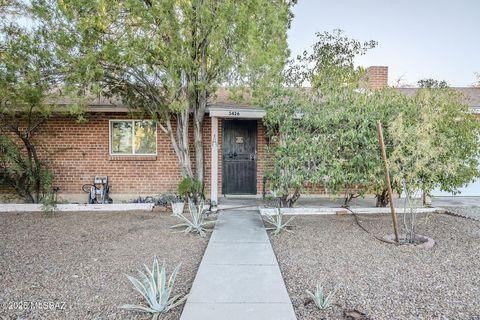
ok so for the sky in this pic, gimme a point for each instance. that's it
(419, 39)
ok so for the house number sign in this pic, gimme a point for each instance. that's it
(233, 113)
(239, 140)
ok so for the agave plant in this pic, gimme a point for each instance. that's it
(153, 286)
(198, 223)
(321, 301)
(277, 223)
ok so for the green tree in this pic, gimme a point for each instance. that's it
(166, 58)
(323, 134)
(31, 84)
(355, 166)
(27, 83)
(432, 83)
(326, 134)
(291, 150)
(435, 144)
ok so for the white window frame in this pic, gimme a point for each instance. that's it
(133, 138)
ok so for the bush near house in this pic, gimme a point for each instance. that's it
(190, 188)
(26, 86)
(24, 172)
(326, 135)
(435, 145)
(321, 135)
(31, 75)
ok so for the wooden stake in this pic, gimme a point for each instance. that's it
(387, 178)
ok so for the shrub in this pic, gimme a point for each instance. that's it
(163, 199)
(24, 172)
(29, 82)
(190, 188)
(49, 198)
(153, 286)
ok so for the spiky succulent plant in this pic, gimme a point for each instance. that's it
(276, 220)
(198, 222)
(156, 290)
(321, 300)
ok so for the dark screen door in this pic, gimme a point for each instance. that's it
(239, 164)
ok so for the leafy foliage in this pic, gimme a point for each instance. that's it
(31, 74)
(290, 148)
(278, 223)
(156, 290)
(435, 144)
(30, 178)
(26, 83)
(326, 135)
(190, 188)
(321, 300)
(352, 162)
(163, 199)
(330, 63)
(198, 223)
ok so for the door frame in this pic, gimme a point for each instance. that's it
(223, 177)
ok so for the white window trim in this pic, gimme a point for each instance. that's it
(133, 137)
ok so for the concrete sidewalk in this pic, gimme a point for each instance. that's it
(239, 277)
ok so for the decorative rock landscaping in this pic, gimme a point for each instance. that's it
(78, 262)
(381, 280)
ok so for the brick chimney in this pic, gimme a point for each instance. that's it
(377, 77)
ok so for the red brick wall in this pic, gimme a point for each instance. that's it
(78, 151)
(377, 77)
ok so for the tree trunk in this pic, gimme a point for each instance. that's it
(426, 199)
(30, 184)
(199, 116)
(32, 196)
(180, 143)
(382, 199)
(289, 200)
(36, 169)
(348, 198)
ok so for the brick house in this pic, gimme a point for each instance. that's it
(138, 157)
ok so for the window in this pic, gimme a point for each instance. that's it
(133, 137)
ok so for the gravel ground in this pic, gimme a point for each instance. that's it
(378, 279)
(471, 212)
(79, 260)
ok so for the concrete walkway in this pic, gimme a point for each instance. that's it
(239, 277)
